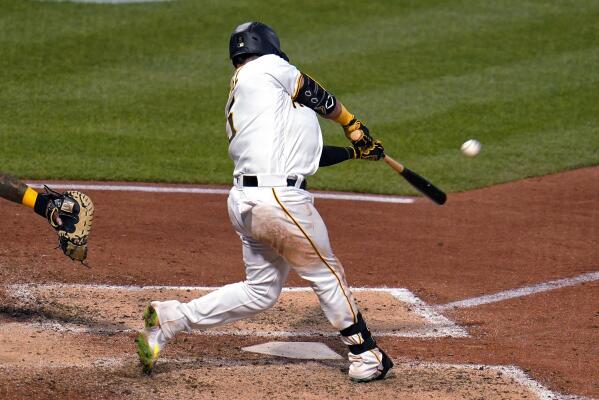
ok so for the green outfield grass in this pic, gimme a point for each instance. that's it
(136, 92)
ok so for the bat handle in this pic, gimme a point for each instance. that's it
(394, 164)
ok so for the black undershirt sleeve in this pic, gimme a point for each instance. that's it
(332, 155)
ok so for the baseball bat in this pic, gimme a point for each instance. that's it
(420, 183)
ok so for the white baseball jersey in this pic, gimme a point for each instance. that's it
(269, 133)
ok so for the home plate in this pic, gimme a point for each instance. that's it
(303, 350)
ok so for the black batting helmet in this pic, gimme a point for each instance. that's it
(254, 38)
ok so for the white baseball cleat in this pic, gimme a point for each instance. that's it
(369, 366)
(150, 340)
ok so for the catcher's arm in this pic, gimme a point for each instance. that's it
(70, 213)
(14, 190)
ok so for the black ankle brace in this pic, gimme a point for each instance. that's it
(359, 327)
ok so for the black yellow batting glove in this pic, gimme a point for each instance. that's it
(373, 153)
(358, 134)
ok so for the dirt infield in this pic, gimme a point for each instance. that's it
(78, 342)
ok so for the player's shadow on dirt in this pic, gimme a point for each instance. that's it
(61, 314)
(311, 318)
(167, 365)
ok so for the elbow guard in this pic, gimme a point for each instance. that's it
(314, 96)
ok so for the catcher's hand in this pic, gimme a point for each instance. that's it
(71, 214)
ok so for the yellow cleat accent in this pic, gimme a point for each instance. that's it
(147, 354)
(150, 317)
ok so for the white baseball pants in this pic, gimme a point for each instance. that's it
(279, 229)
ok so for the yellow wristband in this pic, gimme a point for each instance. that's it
(344, 117)
(29, 198)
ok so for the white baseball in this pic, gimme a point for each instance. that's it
(471, 148)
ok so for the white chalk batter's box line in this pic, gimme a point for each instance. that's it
(514, 373)
(519, 292)
(206, 190)
(437, 324)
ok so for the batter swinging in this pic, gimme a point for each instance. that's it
(275, 143)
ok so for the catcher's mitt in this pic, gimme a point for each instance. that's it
(71, 214)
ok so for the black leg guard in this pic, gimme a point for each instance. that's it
(387, 365)
(364, 340)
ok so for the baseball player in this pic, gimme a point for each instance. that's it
(69, 213)
(275, 143)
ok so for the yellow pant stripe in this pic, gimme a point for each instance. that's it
(29, 198)
(317, 252)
